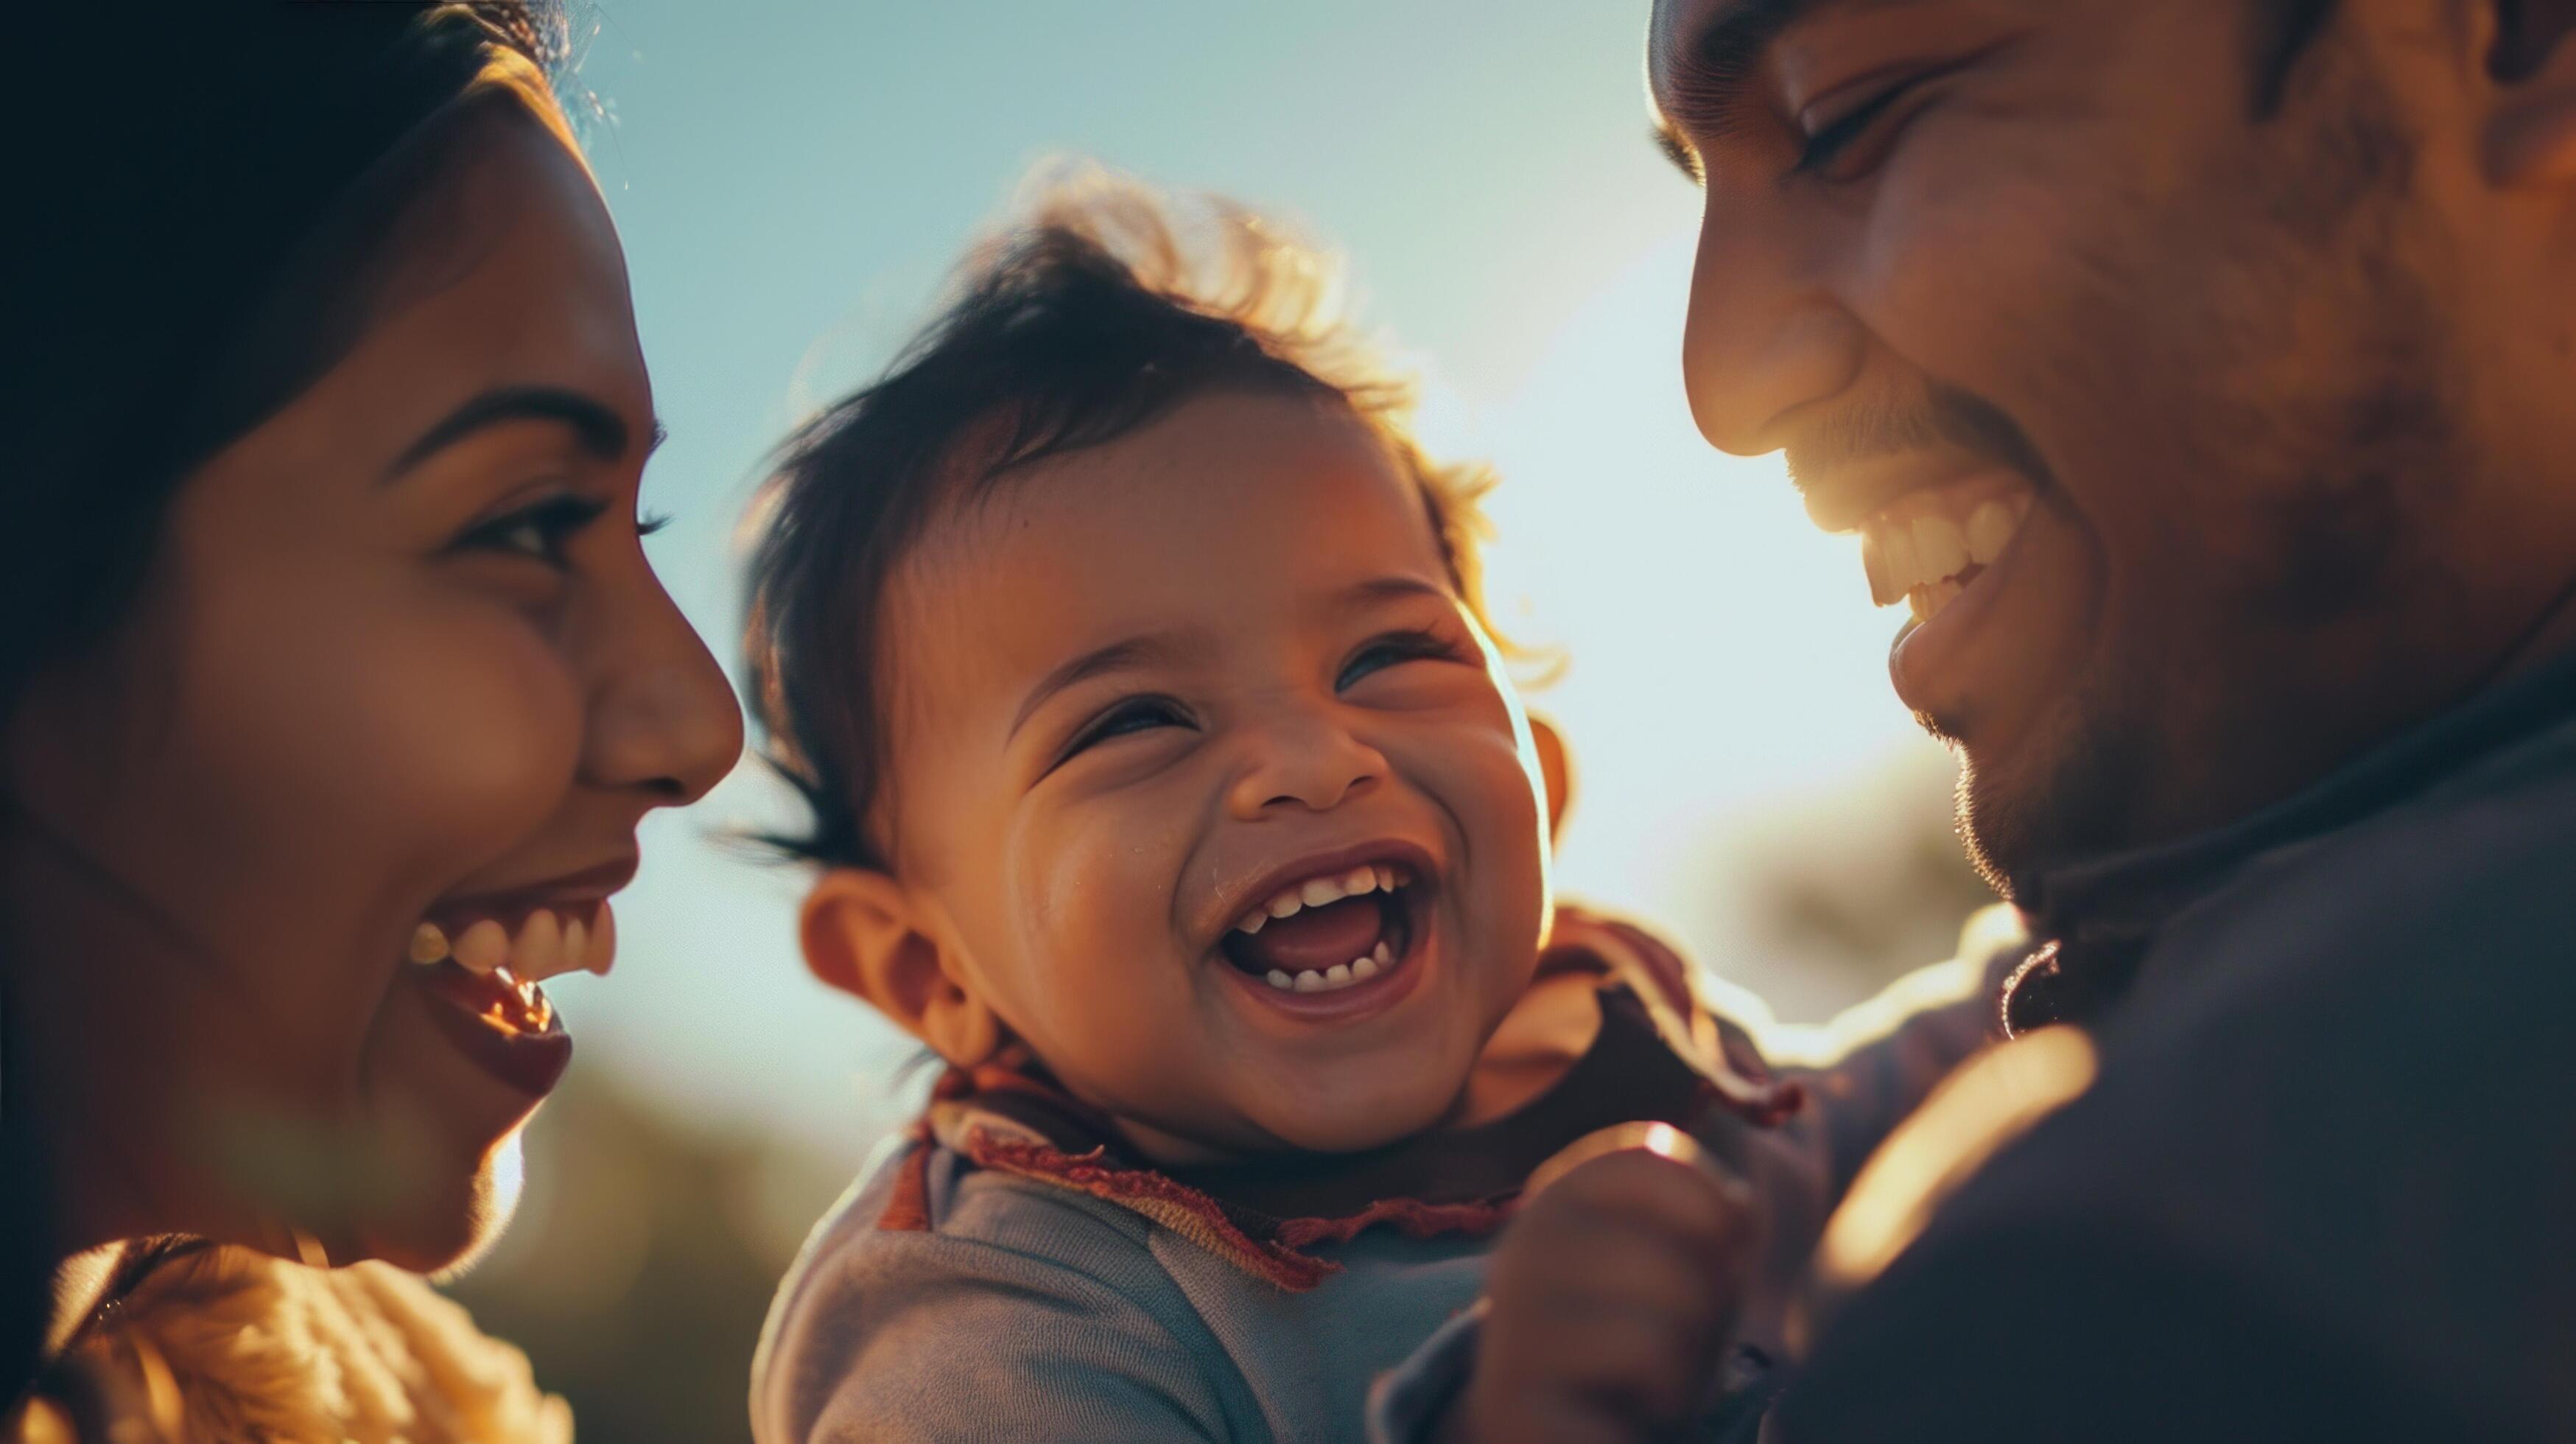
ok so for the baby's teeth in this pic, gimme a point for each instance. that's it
(1338, 975)
(1363, 969)
(1386, 879)
(484, 947)
(1310, 982)
(1320, 891)
(1384, 955)
(537, 954)
(1279, 980)
(576, 954)
(428, 943)
(1943, 549)
(1990, 528)
(1287, 904)
(1253, 921)
(1361, 882)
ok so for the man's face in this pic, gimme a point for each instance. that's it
(2202, 442)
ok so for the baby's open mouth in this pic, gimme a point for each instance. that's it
(1327, 933)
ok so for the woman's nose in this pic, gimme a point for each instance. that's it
(1303, 762)
(663, 719)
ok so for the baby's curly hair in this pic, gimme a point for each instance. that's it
(1102, 306)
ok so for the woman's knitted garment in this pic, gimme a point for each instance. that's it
(230, 1346)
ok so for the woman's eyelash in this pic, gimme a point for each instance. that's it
(539, 530)
(1822, 147)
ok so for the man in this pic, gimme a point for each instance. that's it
(2203, 375)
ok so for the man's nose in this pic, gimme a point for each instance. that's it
(1765, 336)
(1302, 760)
(663, 720)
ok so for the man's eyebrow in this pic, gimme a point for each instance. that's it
(1118, 656)
(595, 424)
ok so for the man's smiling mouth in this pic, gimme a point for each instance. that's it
(1928, 547)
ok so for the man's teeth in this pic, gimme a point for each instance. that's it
(1317, 892)
(1339, 975)
(1920, 558)
(546, 945)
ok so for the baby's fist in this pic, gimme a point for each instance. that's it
(1608, 1304)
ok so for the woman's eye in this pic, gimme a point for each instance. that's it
(1390, 650)
(1833, 141)
(1143, 714)
(539, 531)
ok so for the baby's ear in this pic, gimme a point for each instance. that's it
(1556, 766)
(863, 933)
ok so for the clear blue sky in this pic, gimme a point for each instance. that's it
(793, 177)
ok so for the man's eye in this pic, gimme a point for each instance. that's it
(1834, 140)
(1380, 653)
(538, 531)
(1141, 714)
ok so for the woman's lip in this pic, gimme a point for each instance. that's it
(530, 1062)
(573, 894)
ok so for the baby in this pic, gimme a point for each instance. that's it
(1168, 783)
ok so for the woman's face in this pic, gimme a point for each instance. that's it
(400, 659)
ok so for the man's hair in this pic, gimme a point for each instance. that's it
(1102, 308)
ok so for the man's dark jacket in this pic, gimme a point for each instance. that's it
(2324, 1184)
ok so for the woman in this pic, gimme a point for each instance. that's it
(335, 685)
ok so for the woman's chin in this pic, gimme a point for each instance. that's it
(446, 1226)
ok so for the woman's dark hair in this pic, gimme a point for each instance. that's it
(203, 197)
(1100, 310)
(205, 191)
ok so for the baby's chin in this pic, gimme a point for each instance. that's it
(1357, 1125)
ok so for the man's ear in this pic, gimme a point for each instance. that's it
(2531, 138)
(863, 934)
(1556, 767)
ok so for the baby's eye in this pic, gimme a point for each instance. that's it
(1392, 649)
(538, 531)
(1136, 714)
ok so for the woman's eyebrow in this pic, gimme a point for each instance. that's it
(595, 424)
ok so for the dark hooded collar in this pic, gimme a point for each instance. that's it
(2100, 916)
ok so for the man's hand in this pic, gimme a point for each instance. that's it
(1609, 1302)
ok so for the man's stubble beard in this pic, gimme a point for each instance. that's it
(2344, 442)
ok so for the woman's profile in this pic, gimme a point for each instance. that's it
(335, 685)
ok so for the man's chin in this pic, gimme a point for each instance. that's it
(2063, 797)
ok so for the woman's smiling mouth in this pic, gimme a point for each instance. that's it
(482, 958)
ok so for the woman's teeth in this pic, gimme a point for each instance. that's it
(546, 945)
(1923, 557)
(1339, 975)
(1318, 892)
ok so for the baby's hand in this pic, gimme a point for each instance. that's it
(1609, 1303)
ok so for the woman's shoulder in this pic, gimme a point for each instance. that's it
(226, 1344)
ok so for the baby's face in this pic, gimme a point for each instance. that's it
(1214, 674)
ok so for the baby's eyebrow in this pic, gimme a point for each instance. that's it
(1389, 589)
(1118, 656)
